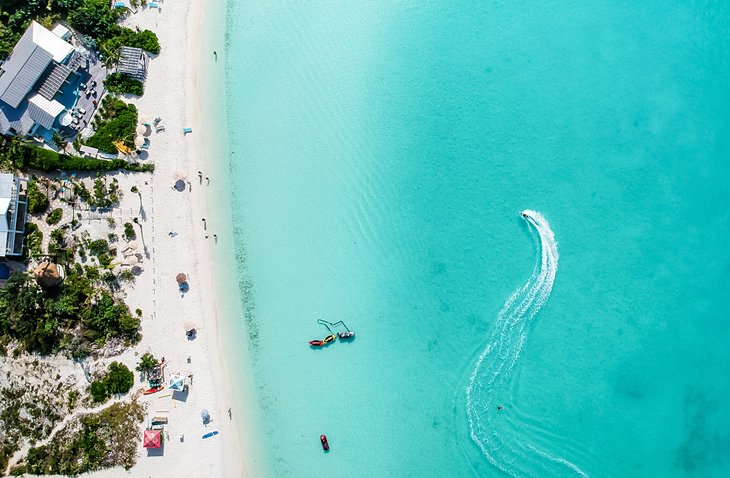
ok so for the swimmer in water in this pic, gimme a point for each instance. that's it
(523, 214)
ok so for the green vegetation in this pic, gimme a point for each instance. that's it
(23, 156)
(129, 233)
(118, 379)
(116, 121)
(75, 317)
(33, 238)
(144, 39)
(119, 83)
(146, 364)
(55, 216)
(37, 201)
(100, 440)
(28, 411)
(105, 196)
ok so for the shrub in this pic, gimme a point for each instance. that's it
(119, 83)
(99, 392)
(98, 247)
(129, 233)
(119, 379)
(55, 216)
(37, 201)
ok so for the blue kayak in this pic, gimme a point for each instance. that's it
(211, 434)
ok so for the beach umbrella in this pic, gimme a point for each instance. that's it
(189, 325)
(141, 129)
(138, 142)
(144, 120)
(66, 119)
(205, 415)
(181, 277)
(178, 176)
(132, 260)
(180, 185)
(151, 439)
(133, 245)
(47, 275)
(177, 382)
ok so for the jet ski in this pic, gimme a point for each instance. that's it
(325, 444)
(346, 335)
(316, 343)
(329, 338)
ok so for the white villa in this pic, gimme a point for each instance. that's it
(30, 78)
(14, 210)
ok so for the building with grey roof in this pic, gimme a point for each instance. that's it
(13, 214)
(31, 76)
(132, 62)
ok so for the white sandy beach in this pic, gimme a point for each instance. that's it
(172, 94)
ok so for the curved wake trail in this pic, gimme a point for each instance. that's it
(494, 365)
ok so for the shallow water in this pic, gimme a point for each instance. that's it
(380, 154)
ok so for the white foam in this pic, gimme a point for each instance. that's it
(503, 349)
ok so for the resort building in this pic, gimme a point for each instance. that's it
(14, 209)
(132, 62)
(32, 77)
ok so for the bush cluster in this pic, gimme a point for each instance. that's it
(119, 83)
(24, 156)
(37, 201)
(118, 379)
(74, 317)
(55, 216)
(117, 121)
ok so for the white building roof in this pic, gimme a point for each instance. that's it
(29, 59)
(44, 112)
(61, 31)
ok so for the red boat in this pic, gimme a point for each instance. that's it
(316, 343)
(325, 444)
(153, 390)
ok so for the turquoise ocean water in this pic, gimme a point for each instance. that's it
(379, 155)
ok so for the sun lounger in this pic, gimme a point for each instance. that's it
(153, 5)
(159, 128)
(187, 130)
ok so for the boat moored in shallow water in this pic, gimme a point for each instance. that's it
(329, 338)
(346, 335)
(325, 443)
(316, 343)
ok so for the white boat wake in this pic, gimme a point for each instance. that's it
(494, 365)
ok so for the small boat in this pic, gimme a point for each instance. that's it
(329, 338)
(152, 390)
(325, 444)
(346, 335)
(210, 434)
(316, 343)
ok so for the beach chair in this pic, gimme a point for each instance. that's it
(187, 130)
(159, 128)
(153, 5)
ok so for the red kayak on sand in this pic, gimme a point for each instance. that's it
(316, 343)
(325, 444)
(153, 390)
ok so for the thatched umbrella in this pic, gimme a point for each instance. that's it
(138, 142)
(181, 277)
(141, 129)
(132, 260)
(178, 176)
(189, 325)
(47, 275)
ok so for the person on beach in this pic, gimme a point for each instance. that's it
(205, 224)
(200, 177)
(207, 180)
(215, 237)
(215, 55)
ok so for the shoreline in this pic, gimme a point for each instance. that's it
(174, 92)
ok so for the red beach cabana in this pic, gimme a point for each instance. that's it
(151, 439)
